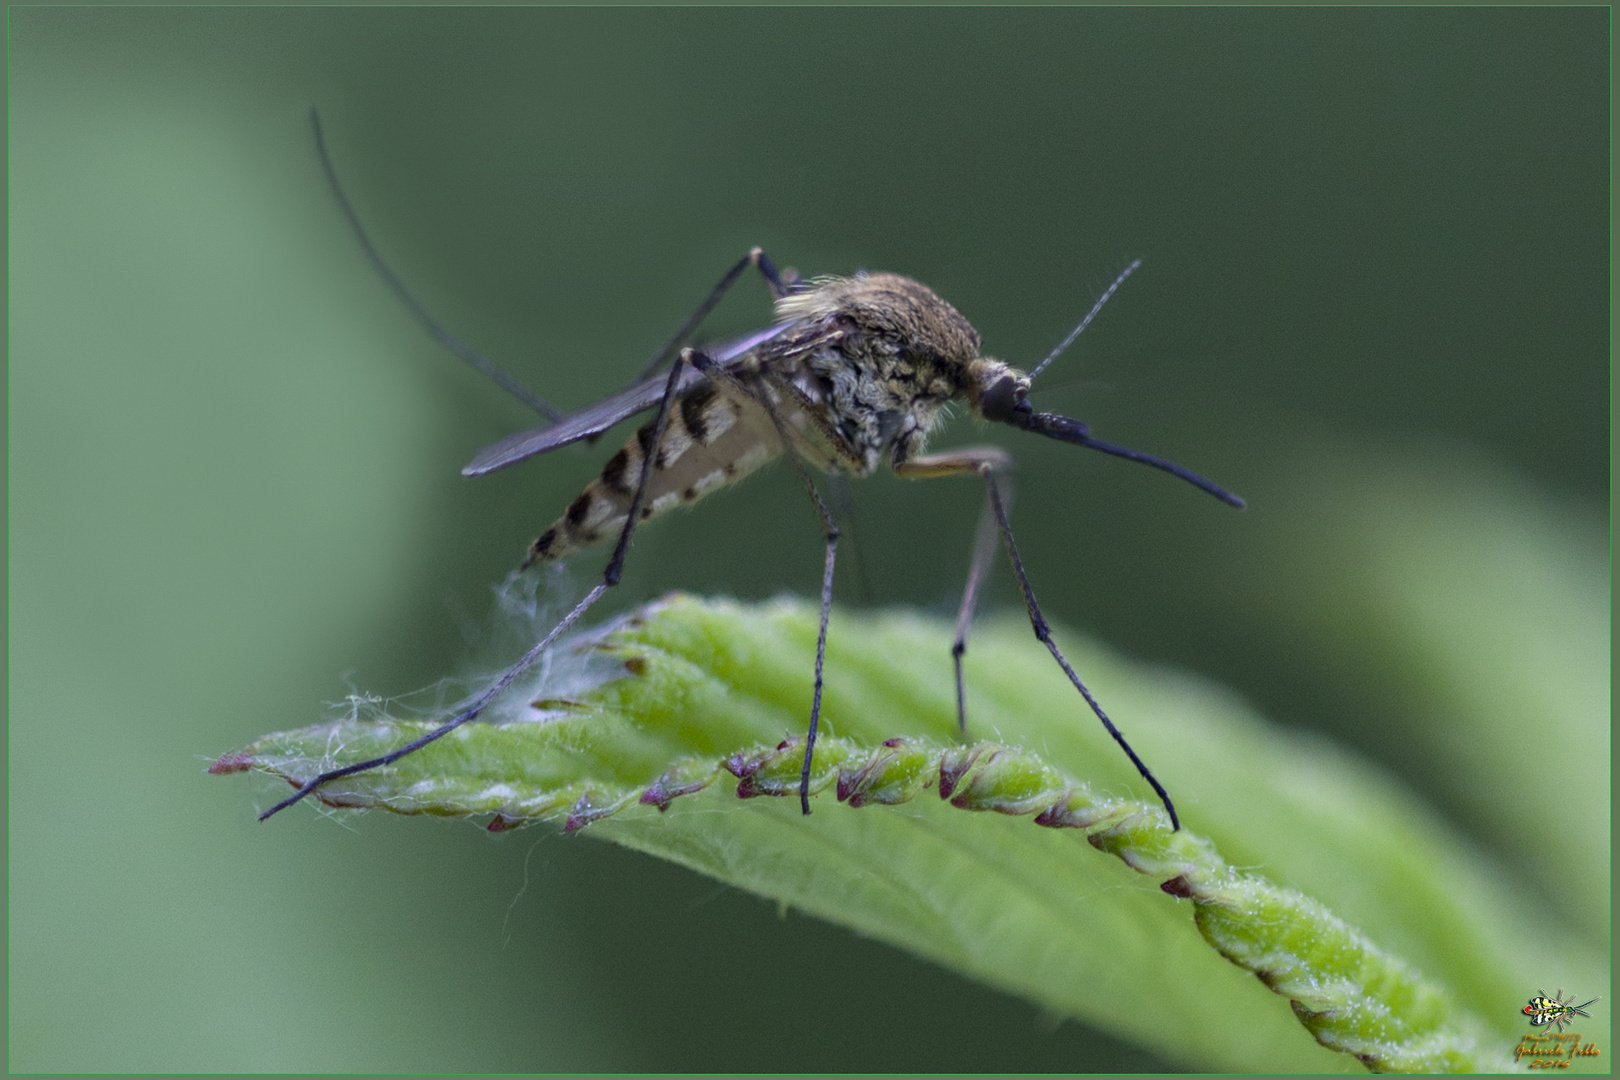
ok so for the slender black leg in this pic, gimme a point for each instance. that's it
(841, 499)
(610, 577)
(821, 653)
(756, 258)
(830, 529)
(965, 462)
(471, 355)
(1044, 633)
(984, 549)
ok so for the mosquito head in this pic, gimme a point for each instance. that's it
(996, 390)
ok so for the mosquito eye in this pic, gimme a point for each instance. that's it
(997, 402)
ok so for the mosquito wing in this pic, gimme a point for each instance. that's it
(604, 414)
(571, 429)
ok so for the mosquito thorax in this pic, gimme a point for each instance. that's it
(890, 309)
(880, 355)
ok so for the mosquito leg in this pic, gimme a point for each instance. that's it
(966, 462)
(610, 577)
(841, 498)
(987, 463)
(984, 549)
(756, 258)
(821, 650)
(780, 284)
(758, 390)
(793, 281)
(1044, 633)
(443, 336)
(469, 713)
(830, 529)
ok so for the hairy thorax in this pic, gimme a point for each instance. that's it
(880, 355)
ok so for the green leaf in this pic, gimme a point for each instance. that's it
(1469, 612)
(706, 701)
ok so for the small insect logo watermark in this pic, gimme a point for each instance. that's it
(1554, 1010)
(1554, 1050)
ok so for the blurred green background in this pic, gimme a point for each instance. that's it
(1374, 300)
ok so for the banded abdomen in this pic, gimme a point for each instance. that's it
(709, 441)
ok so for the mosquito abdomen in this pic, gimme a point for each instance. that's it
(709, 441)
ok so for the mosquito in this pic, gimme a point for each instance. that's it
(853, 375)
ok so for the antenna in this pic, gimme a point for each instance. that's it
(1101, 300)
